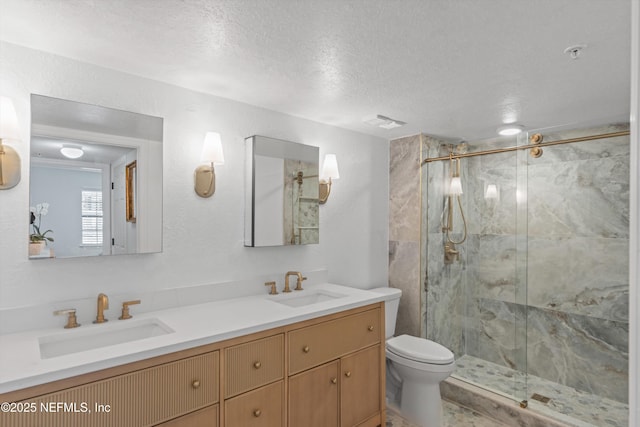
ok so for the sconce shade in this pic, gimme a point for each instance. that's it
(329, 172)
(491, 192)
(212, 149)
(9, 158)
(456, 186)
(330, 167)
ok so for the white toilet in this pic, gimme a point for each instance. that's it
(419, 365)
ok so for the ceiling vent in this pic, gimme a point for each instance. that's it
(383, 122)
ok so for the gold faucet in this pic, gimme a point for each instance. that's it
(298, 282)
(125, 309)
(450, 253)
(103, 304)
(72, 320)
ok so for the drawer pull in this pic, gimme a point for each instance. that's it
(306, 349)
(334, 381)
(370, 328)
(347, 374)
(257, 365)
(195, 384)
(257, 413)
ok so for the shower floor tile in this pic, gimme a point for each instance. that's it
(566, 404)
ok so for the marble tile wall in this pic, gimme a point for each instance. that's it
(301, 211)
(542, 283)
(404, 231)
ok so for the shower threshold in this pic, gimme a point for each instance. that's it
(566, 404)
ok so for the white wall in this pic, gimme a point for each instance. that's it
(269, 201)
(62, 188)
(203, 238)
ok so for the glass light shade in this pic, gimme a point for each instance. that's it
(491, 192)
(8, 120)
(212, 149)
(510, 130)
(456, 186)
(330, 167)
(71, 152)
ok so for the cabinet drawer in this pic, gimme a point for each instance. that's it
(259, 408)
(207, 417)
(254, 364)
(141, 398)
(317, 344)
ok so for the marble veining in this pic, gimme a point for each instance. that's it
(405, 203)
(541, 286)
(453, 415)
(567, 404)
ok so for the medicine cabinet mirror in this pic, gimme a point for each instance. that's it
(95, 180)
(281, 205)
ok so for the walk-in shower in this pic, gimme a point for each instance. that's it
(525, 267)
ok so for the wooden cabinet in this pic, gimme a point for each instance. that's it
(342, 393)
(144, 397)
(360, 387)
(323, 372)
(249, 366)
(347, 391)
(263, 407)
(253, 364)
(207, 417)
(313, 397)
(316, 344)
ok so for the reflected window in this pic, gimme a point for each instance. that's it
(92, 215)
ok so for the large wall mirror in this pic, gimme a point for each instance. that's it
(95, 180)
(281, 206)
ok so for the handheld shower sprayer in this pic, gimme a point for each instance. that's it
(451, 254)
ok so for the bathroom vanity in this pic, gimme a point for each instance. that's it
(315, 359)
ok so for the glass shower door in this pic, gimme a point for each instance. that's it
(476, 300)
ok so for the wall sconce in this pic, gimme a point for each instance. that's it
(329, 172)
(205, 175)
(491, 192)
(9, 158)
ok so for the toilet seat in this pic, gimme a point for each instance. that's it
(420, 350)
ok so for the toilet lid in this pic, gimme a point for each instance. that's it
(420, 350)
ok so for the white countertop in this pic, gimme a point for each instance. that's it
(21, 364)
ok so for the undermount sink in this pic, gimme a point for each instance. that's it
(306, 298)
(104, 335)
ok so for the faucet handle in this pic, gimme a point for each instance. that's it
(72, 321)
(299, 283)
(273, 290)
(125, 309)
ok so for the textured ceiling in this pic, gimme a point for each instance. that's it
(456, 68)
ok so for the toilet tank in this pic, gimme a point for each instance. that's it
(391, 303)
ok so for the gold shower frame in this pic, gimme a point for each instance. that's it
(534, 146)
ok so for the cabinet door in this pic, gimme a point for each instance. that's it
(360, 386)
(207, 417)
(262, 407)
(313, 397)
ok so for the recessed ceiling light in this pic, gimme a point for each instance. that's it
(383, 122)
(71, 151)
(510, 130)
